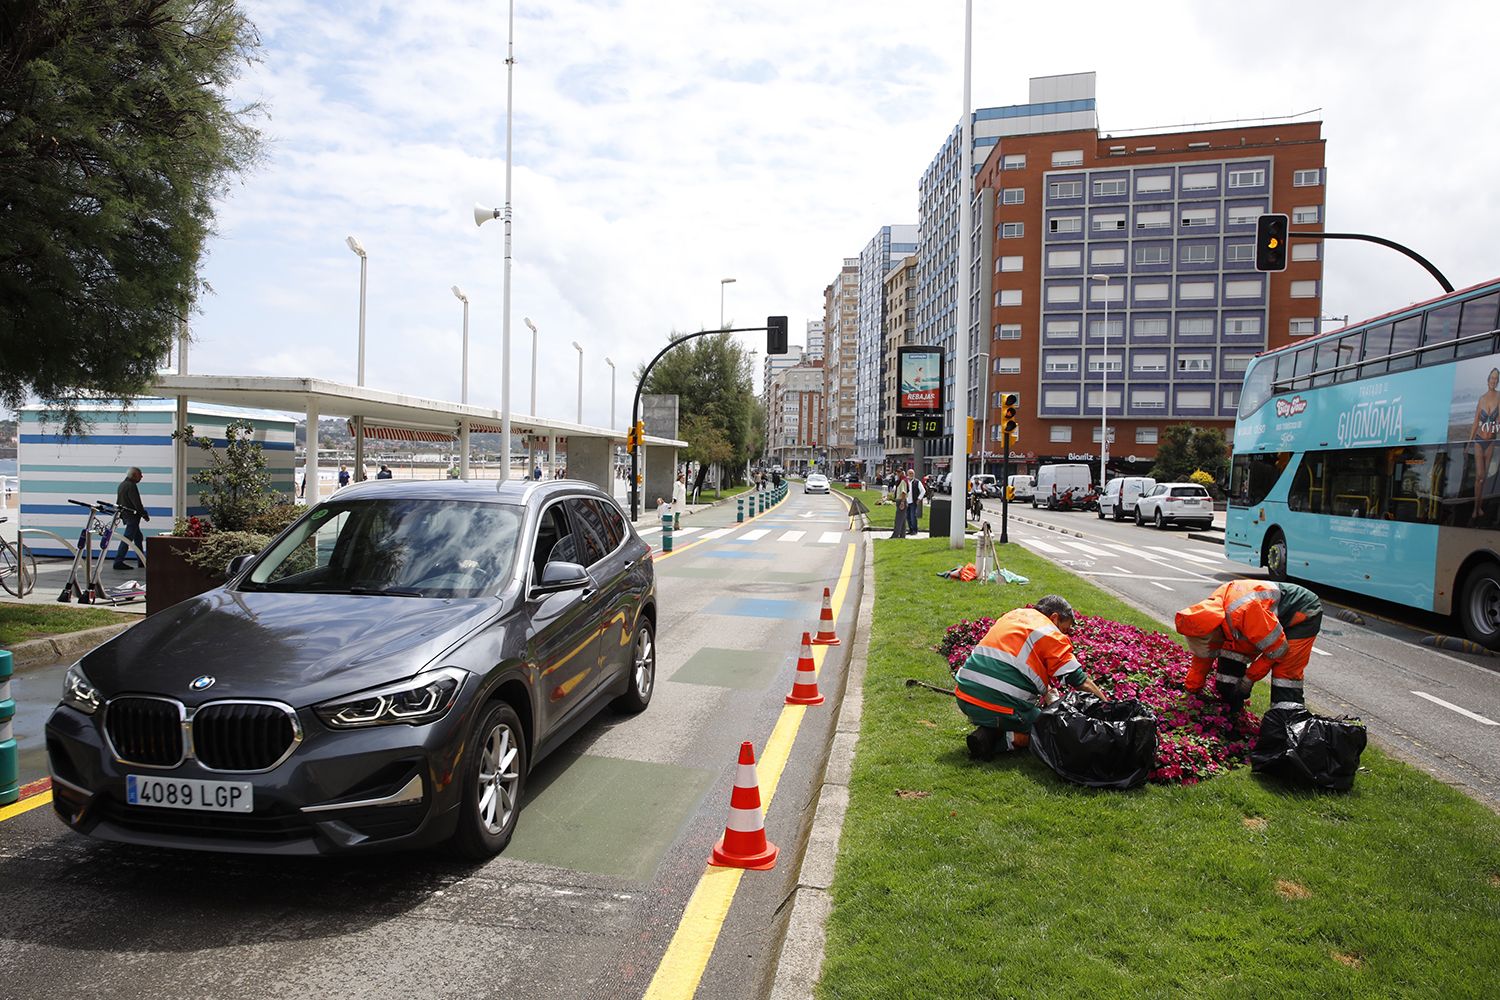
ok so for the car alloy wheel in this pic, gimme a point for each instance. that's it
(642, 671)
(494, 780)
(499, 778)
(1161, 522)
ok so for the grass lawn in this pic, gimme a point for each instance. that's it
(959, 879)
(883, 517)
(19, 622)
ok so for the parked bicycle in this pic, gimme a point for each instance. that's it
(17, 567)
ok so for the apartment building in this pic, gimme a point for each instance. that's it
(774, 364)
(1122, 276)
(841, 362)
(887, 248)
(899, 322)
(796, 415)
(814, 340)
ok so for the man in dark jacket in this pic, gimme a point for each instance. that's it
(132, 512)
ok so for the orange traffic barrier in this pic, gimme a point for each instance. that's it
(744, 843)
(805, 686)
(826, 635)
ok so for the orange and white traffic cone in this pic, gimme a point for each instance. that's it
(826, 635)
(744, 843)
(805, 686)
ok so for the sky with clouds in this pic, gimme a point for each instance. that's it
(661, 145)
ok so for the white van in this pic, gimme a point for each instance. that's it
(1022, 487)
(1077, 477)
(982, 483)
(1120, 494)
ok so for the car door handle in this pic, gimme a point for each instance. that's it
(588, 594)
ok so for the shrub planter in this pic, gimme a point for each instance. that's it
(170, 578)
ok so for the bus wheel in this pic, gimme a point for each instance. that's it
(1479, 607)
(1276, 555)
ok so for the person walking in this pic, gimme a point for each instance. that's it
(343, 476)
(384, 473)
(902, 492)
(679, 492)
(917, 493)
(1024, 656)
(1246, 629)
(132, 513)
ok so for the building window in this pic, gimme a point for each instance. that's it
(1195, 326)
(1096, 397)
(1012, 230)
(1202, 254)
(1150, 326)
(1097, 330)
(1009, 297)
(1099, 431)
(1200, 217)
(1153, 184)
(1008, 331)
(1246, 288)
(1109, 222)
(1229, 399)
(1247, 178)
(1243, 215)
(1194, 399)
(1063, 398)
(1011, 263)
(1062, 363)
(1067, 158)
(1200, 182)
(1065, 189)
(1062, 294)
(1195, 291)
(1105, 363)
(1065, 258)
(1060, 433)
(1062, 329)
(1110, 186)
(1013, 161)
(1307, 178)
(1148, 362)
(1304, 250)
(1153, 220)
(1145, 435)
(1152, 292)
(1301, 327)
(1013, 196)
(1152, 255)
(1148, 399)
(1195, 363)
(1107, 291)
(1306, 213)
(1304, 289)
(1065, 224)
(1236, 363)
(1244, 253)
(1008, 366)
(1106, 255)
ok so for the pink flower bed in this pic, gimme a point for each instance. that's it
(1197, 737)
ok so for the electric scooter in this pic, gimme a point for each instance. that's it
(92, 590)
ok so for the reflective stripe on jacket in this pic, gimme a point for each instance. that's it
(1257, 617)
(1018, 658)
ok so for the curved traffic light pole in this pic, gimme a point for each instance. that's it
(1447, 285)
(635, 406)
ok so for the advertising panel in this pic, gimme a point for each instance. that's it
(920, 370)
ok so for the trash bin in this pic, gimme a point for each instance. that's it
(939, 512)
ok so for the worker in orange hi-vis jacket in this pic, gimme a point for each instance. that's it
(1246, 629)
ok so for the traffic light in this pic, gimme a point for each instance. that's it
(1009, 428)
(635, 436)
(1270, 242)
(775, 334)
(970, 437)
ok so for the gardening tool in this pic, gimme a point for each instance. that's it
(912, 682)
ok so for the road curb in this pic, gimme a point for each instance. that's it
(800, 962)
(1203, 536)
(68, 646)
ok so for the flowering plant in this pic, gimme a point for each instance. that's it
(192, 527)
(1197, 737)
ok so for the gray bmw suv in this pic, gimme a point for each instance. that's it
(383, 675)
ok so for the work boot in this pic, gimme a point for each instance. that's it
(982, 743)
(1020, 741)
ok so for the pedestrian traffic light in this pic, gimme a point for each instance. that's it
(969, 438)
(775, 334)
(1270, 242)
(1009, 428)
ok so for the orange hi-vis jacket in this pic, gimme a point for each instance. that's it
(1243, 620)
(1021, 656)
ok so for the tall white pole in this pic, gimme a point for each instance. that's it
(531, 440)
(611, 393)
(577, 347)
(961, 358)
(1104, 391)
(510, 65)
(359, 422)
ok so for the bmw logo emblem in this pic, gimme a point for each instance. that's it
(202, 683)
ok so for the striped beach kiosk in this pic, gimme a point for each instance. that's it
(54, 468)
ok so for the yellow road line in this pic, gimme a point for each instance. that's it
(25, 806)
(692, 944)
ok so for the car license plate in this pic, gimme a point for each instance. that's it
(189, 793)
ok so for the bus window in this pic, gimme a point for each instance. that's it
(1257, 386)
(1415, 478)
(1404, 338)
(1303, 368)
(1377, 346)
(1348, 358)
(1442, 330)
(1284, 362)
(1252, 476)
(1307, 493)
(1479, 317)
(1356, 483)
(1326, 359)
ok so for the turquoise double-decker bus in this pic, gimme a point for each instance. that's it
(1369, 459)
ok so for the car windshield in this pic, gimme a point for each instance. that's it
(397, 546)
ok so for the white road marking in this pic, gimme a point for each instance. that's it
(716, 533)
(1173, 553)
(754, 535)
(807, 513)
(1321, 652)
(791, 536)
(679, 532)
(1044, 547)
(1452, 707)
(830, 537)
(1087, 549)
(647, 531)
(1163, 586)
(1121, 569)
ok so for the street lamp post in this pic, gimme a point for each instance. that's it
(611, 420)
(722, 283)
(530, 441)
(359, 421)
(463, 389)
(984, 408)
(1104, 390)
(579, 348)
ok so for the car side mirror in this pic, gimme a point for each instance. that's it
(236, 564)
(563, 576)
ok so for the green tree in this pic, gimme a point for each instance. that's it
(116, 135)
(1185, 448)
(720, 415)
(235, 487)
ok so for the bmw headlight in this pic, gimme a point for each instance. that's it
(78, 692)
(415, 701)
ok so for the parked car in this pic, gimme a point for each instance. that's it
(1054, 480)
(1120, 494)
(384, 675)
(1023, 487)
(1175, 503)
(816, 483)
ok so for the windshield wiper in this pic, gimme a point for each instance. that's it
(386, 591)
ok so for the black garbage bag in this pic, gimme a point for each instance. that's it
(1308, 749)
(1099, 744)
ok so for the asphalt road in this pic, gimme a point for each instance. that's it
(614, 834)
(1438, 710)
